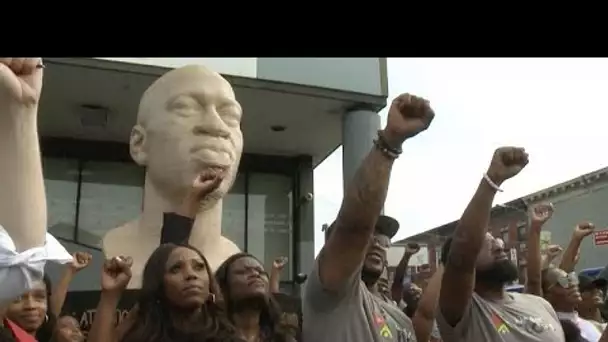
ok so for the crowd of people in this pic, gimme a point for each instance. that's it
(347, 296)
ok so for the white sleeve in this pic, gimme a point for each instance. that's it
(19, 271)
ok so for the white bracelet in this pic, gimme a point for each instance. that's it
(492, 184)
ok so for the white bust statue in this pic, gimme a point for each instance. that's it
(188, 121)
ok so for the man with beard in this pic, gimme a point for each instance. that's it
(473, 303)
(375, 264)
(337, 306)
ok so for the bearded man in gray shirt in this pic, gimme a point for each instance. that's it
(473, 302)
(337, 306)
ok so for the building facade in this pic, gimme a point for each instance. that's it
(580, 199)
(296, 112)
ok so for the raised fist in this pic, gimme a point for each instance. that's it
(541, 213)
(506, 163)
(408, 116)
(81, 261)
(583, 230)
(553, 251)
(412, 248)
(116, 274)
(20, 81)
(279, 263)
(207, 182)
(204, 184)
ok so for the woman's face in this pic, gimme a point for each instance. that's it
(68, 330)
(186, 279)
(29, 310)
(247, 279)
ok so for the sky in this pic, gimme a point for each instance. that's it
(555, 108)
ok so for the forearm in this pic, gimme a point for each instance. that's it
(471, 229)
(400, 272)
(60, 291)
(103, 329)
(459, 274)
(345, 249)
(365, 196)
(23, 210)
(533, 262)
(274, 282)
(568, 259)
(424, 317)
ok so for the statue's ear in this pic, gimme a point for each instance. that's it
(137, 145)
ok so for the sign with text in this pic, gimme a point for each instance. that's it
(600, 238)
(545, 240)
(83, 304)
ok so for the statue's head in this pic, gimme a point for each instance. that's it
(188, 121)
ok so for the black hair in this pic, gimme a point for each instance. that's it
(271, 317)
(445, 250)
(153, 322)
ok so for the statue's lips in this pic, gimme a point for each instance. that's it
(209, 156)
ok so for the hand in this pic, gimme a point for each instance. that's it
(506, 163)
(116, 274)
(81, 261)
(20, 80)
(583, 230)
(207, 182)
(541, 213)
(279, 263)
(412, 248)
(204, 184)
(553, 251)
(408, 116)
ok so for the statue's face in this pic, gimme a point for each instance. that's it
(193, 124)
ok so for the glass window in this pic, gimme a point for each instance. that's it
(61, 185)
(521, 232)
(233, 215)
(505, 236)
(111, 195)
(269, 219)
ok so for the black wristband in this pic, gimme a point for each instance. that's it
(176, 228)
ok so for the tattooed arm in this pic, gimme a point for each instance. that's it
(459, 274)
(345, 250)
(346, 247)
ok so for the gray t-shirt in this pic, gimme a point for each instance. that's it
(352, 314)
(517, 318)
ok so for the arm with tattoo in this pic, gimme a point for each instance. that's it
(345, 250)
(459, 275)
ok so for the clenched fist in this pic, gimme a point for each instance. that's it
(116, 274)
(81, 261)
(583, 230)
(408, 116)
(203, 185)
(506, 163)
(20, 81)
(541, 213)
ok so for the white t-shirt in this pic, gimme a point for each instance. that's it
(589, 331)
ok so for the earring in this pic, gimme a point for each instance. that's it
(211, 298)
(46, 318)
